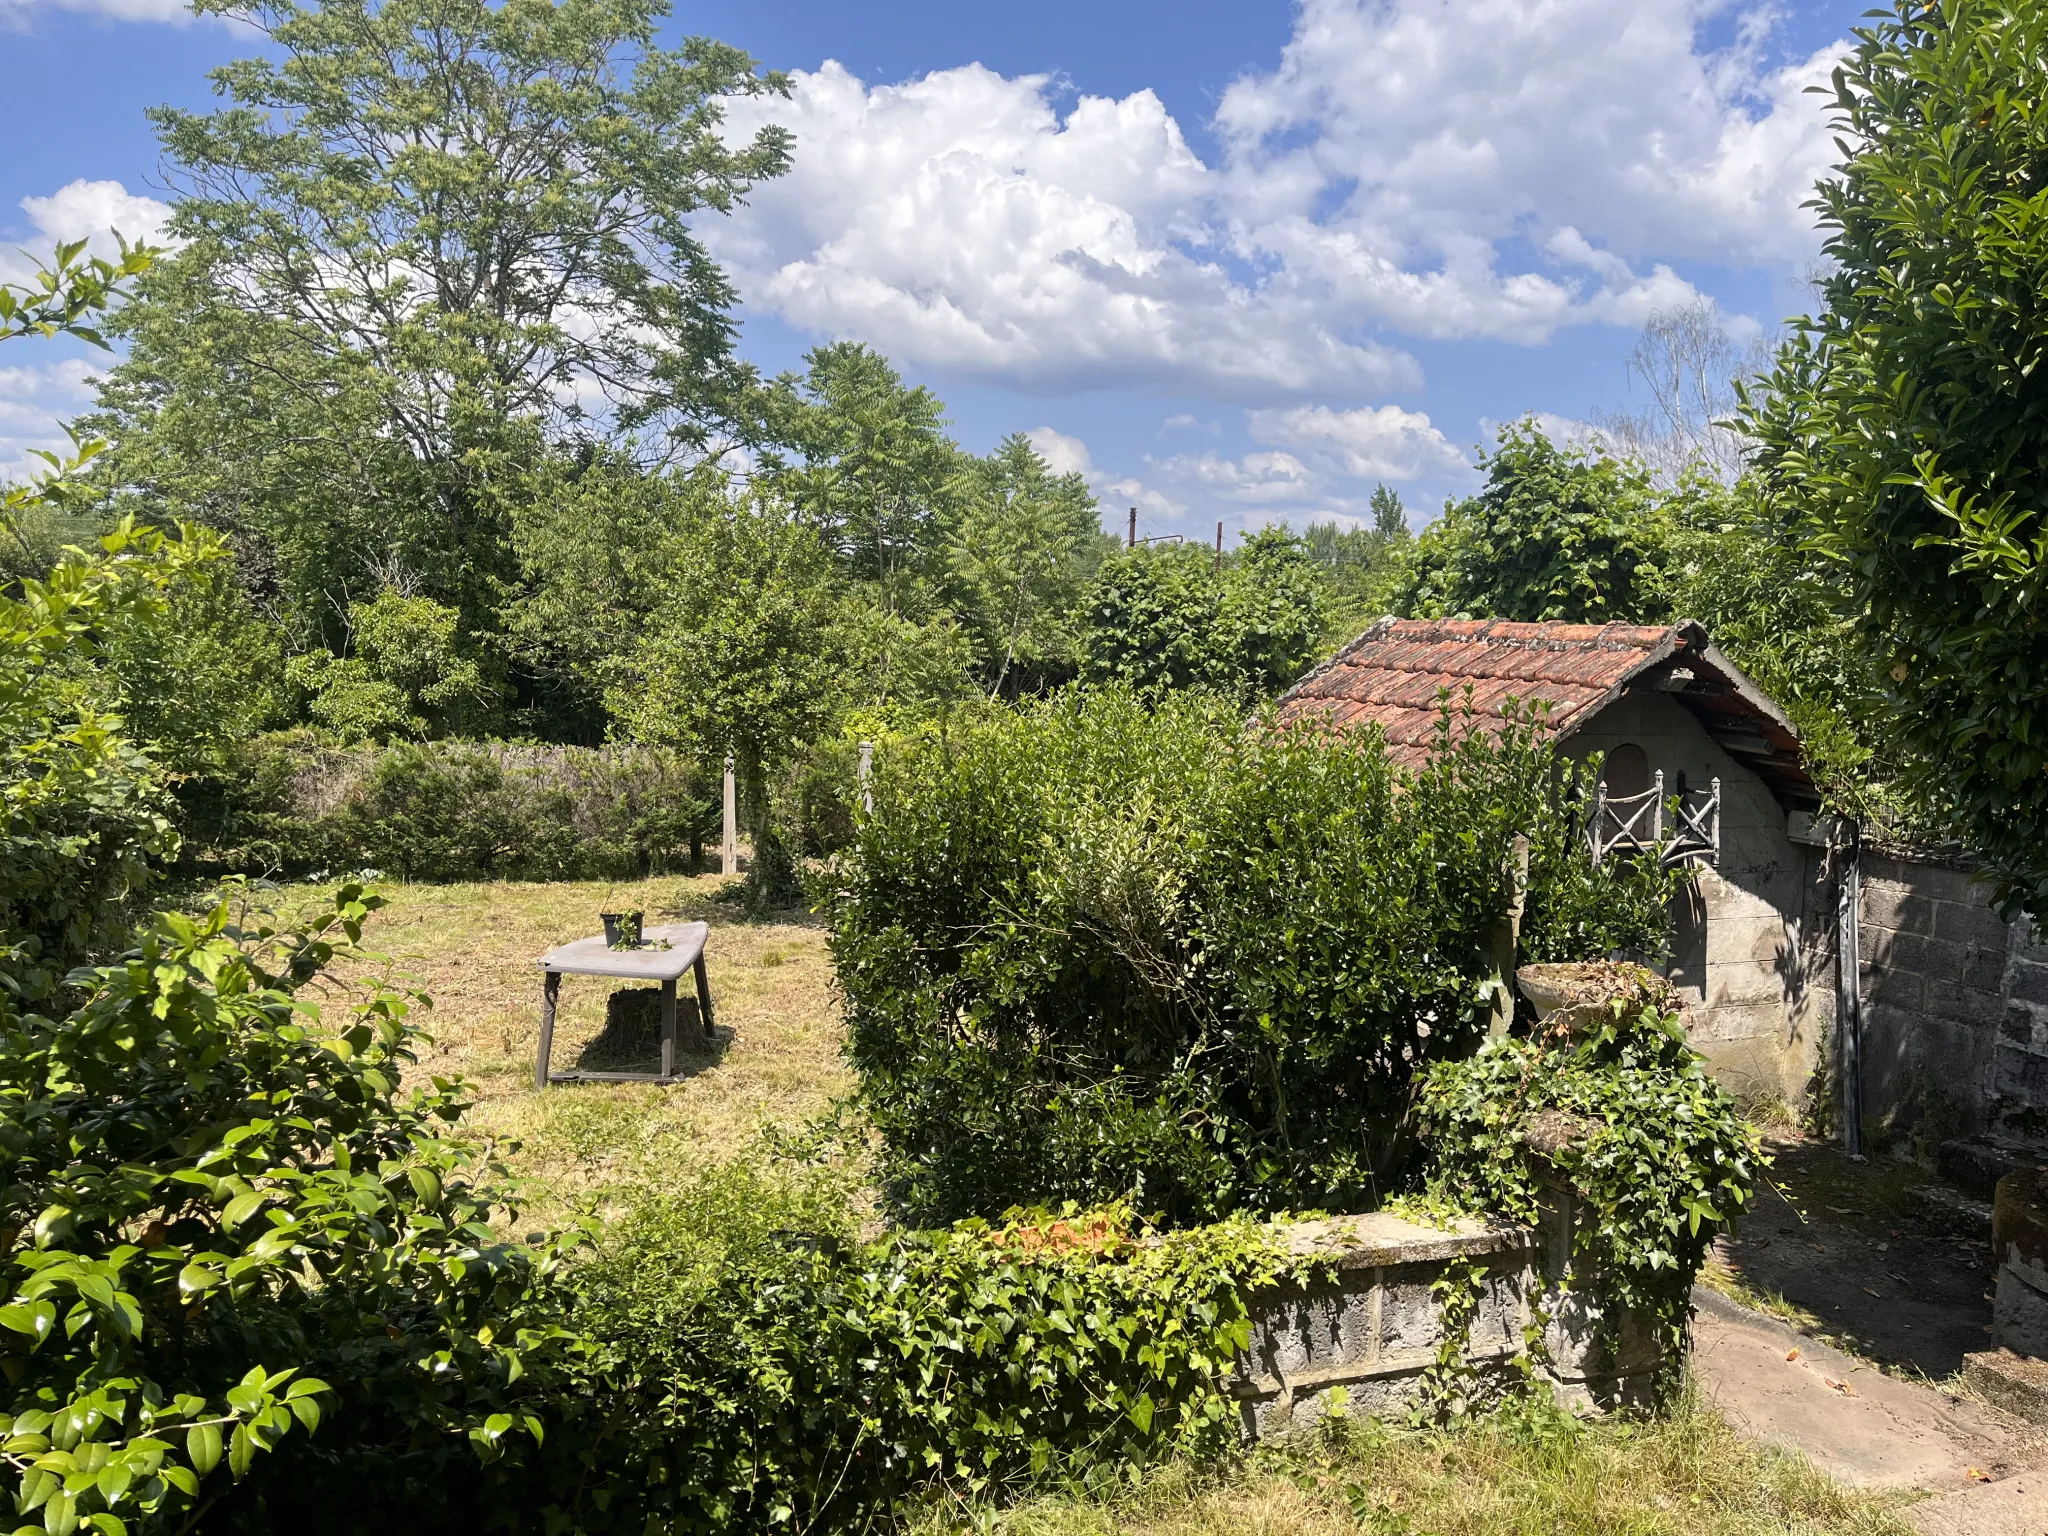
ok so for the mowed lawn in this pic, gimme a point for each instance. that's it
(776, 1062)
(472, 950)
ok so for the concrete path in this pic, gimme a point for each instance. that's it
(2014, 1506)
(1857, 1424)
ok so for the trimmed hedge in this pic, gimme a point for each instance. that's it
(291, 804)
(1094, 950)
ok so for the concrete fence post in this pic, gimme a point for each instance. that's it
(729, 850)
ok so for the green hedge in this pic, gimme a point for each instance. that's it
(1095, 950)
(290, 804)
(748, 1364)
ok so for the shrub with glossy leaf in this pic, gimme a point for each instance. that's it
(1092, 950)
(226, 1225)
(1904, 430)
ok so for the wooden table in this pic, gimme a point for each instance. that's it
(591, 957)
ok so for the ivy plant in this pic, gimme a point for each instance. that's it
(1628, 1117)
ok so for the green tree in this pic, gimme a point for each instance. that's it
(1905, 428)
(1557, 533)
(1152, 619)
(1779, 611)
(873, 469)
(423, 240)
(1389, 517)
(410, 673)
(83, 809)
(200, 671)
(744, 654)
(1028, 542)
(1363, 569)
(1172, 617)
(595, 537)
(1272, 610)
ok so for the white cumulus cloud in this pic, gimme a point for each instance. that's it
(97, 209)
(1493, 169)
(35, 398)
(960, 221)
(18, 13)
(1384, 444)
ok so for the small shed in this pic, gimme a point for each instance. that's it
(1674, 717)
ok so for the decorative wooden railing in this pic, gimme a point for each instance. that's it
(1680, 829)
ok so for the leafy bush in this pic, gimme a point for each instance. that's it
(226, 1229)
(749, 1365)
(1628, 1116)
(1092, 951)
(82, 809)
(1171, 618)
(411, 674)
(1901, 432)
(452, 810)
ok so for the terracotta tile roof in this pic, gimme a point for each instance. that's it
(1396, 673)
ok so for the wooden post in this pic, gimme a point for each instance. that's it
(1134, 528)
(1849, 987)
(1219, 548)
(729, 854)
(867, 775)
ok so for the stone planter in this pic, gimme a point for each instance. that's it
(1576, 997)
(1378, 1325)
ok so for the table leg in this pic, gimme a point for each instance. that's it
(550, 989)
(668, 1028)
(703, 996)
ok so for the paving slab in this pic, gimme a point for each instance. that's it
(1862, 1427)
(2013, 1506)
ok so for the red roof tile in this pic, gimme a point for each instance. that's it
(1397, 674)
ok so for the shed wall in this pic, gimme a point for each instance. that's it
(1751, 955)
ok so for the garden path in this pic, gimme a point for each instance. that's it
(1853, 1420)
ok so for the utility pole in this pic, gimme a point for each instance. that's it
(1219, 549)
(1134, 528)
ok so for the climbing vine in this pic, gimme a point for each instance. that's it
(1620, 1110)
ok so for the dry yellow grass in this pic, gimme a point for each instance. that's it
(471, 949)
(1683, 1475)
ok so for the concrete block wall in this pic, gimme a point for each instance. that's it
(1955, 1000)
(2019, 1059)
(1372, 1330)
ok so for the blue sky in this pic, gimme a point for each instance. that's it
(1234, 261)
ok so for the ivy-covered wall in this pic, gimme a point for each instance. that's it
(1399, 1313)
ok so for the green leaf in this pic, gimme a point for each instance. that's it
(202, 1447)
